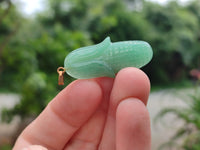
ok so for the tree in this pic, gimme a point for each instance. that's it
(174, 40)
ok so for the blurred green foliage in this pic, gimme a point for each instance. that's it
(6, 147)
(31, 49)
(189, 132)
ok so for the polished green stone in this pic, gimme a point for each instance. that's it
(107, 58)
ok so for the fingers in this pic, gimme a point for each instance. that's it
(73, 107)
(34, 147)
(89, 135)
(64, 115)
(129, 82)
(132, 126)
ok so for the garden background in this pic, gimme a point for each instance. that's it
(32, 47)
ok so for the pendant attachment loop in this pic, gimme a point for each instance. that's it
(61, 71)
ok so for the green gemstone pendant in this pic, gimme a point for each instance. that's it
(107, 58)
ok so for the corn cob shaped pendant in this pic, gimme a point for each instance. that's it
(107, 58)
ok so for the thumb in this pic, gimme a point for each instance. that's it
(35, 147)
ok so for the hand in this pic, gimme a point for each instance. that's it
(94, 114)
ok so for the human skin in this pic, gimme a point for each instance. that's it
(94, 114)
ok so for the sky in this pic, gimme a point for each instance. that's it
(29, 7)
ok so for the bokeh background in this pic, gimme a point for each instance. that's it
(34, 44)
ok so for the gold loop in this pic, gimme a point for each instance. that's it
(61, 69)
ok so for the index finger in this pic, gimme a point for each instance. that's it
(63, 116)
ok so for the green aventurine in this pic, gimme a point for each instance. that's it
(107, 58)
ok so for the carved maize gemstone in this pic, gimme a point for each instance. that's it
(107, 58)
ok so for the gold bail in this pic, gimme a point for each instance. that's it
(61, 71)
